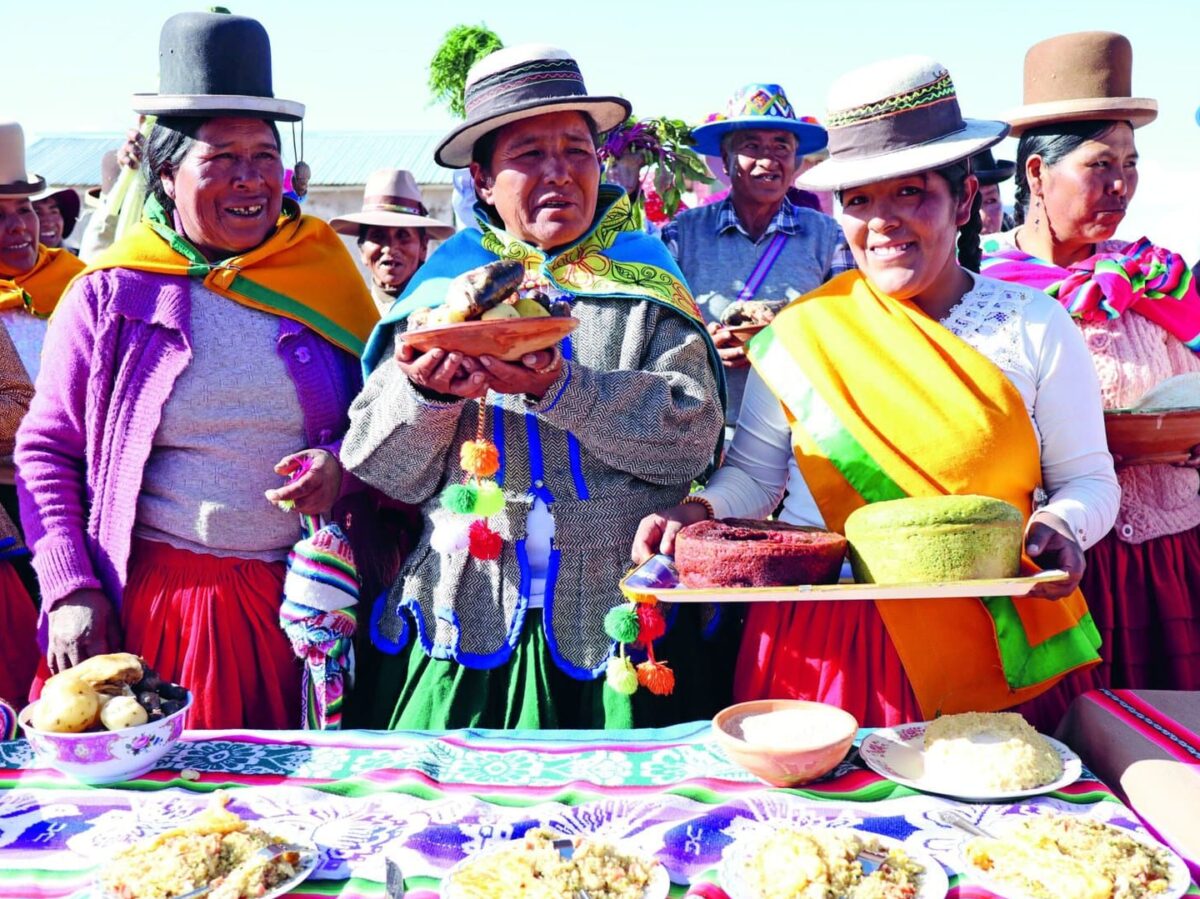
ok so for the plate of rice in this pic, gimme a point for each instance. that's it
(976, 757)
(835, 863)
(534, 868)
(1055, 854)
(217, 848)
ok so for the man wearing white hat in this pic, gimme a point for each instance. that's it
(393, 230)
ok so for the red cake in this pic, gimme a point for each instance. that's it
(737, 552)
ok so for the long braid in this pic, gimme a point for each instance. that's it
(969, 253)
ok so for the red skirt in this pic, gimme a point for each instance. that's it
(840, 653)
(212, 624)
(1145, 599)
(18, 638)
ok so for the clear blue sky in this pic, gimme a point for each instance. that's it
(361, 64)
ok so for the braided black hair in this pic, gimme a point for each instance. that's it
(1051, 142)
(969, 253)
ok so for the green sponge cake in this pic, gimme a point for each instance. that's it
(935, 538)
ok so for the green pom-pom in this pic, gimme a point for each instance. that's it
(489, 499)
(621, 623)
(621, 676)
(459, 498)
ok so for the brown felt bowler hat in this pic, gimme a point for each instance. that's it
(1085, 76)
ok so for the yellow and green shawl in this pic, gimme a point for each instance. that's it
(883, 403)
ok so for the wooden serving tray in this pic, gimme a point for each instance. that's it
(654, 578)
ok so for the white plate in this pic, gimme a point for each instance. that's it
(1180, 878)
(310, 857)
(933, 884)
(898, 753)
(658, 888)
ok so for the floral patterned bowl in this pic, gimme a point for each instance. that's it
(106, 756)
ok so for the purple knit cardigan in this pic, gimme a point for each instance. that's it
(118, 340)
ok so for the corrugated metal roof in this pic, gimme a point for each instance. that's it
(337, 157)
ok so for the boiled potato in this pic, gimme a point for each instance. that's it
(502, 311)
(531, 309)
(109, 673)
(67, 705)
(123, 711)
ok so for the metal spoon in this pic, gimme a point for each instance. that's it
(955, 818)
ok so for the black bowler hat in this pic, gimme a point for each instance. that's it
(517, 83)
(212, 64)
(988, 170)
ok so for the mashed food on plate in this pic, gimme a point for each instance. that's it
(997, 751)
(216, 847)
(1056, 855)
(825, 864)
(534, 868)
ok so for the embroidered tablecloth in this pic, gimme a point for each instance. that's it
(430, 800)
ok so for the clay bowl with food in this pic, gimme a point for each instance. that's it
(105, 756)
(1150, 438)
(505, 338)
(785, 742)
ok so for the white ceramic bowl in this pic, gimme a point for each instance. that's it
(106, 756)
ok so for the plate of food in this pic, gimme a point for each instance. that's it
(108, 719)
(487, 313)
(833, 863)
(1055, 854)
(547, 865)
(973, 756)
(237, 859)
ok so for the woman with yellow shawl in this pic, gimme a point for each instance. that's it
(220, 335)
(914, 376)
(32, 276)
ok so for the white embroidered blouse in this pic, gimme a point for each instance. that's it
(1032, 339)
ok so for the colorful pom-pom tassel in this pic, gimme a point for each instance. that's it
(459, 498)
(484, 543)
(480, 458)
(620, 676)
(656, 677)
(639, 597)
(651, 623)
(489, 500)
(621, 624)
(449, 538)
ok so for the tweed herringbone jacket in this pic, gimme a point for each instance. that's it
(632, 419)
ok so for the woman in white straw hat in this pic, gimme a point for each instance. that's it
(914, 376)
(505, 623)
(393, 230)
(1139, 311)
(32, 275)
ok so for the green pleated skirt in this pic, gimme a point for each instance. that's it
(411, 691)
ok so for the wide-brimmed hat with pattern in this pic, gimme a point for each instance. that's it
(762, 106)
(15, 180)
(518, 83)
(896, 118)
(67, 201)
(392, 199)
(215, 64)
(1085, 76)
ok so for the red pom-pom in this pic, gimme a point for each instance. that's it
(482, 542)
(656, 677)
(651, 623)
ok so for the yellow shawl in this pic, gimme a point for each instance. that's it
(37, 291)
(884, 402)
(301, 271)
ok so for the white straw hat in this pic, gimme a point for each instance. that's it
(15, 180)
(896, 118)
(392, 199)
